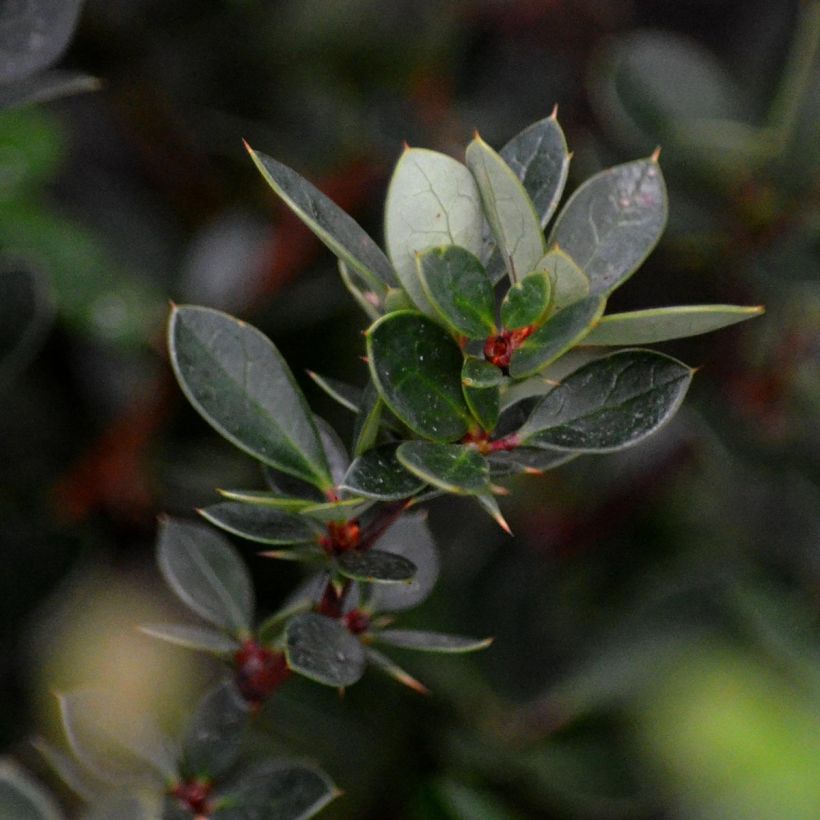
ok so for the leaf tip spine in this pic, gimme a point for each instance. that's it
(554, 113)
(656, 154)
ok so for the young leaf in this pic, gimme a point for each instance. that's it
(453, 467)
(430, 641)
(277, 789)
(193, 637)
(241, 385)
(376, 566)
(560, 333)
(266, 525)
(569, 283)
(366, 428)
(539, 157)
(347, 395)
(613, 221)
(379, 474)
(206, 573)
(323, 650)
(261, 498)
(480, 381)
(660, 324)
(432, 200)
(609, 404)
(527, 301)
(508, 209)
(339, 231)
(22, 797)
(337, 510)
(459, 289)
(416, 367)
(386, 665)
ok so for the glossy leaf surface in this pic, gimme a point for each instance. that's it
(266, 525)
(481, 382)
(323, 650)
(527, 301)
(452, 467)
(379, 474)
(376, 566)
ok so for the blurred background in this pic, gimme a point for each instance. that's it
(656, 614)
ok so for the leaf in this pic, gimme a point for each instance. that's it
(213, 738)
(539, 157)
(323, 650)
(528, 460)
(25, 316)
(488, 502)
(430, 641)
(266, 525)
(416, 367)
(613, 221)
(337, 458)
(268, 631)
(278, 789)
(207, 574)
(453, 467)
(376, 566)
(241, 385)
(369, 300)
(366, 429)
(337, 510)
(661, 324)
(262, 498)
(116, 749)
(527, 301)
(508, 209)
(389, 667)
(304, 554)
(22, 797)
(560, 333)
(432, 200)
(457, 286)
(335, 228)
(46, 86)
(192, 637)
(480, 381)
(608, 404)
(347, 395)
(379, 474)
(283, 484)
(465, 802)
(569, 283)
(69, 770)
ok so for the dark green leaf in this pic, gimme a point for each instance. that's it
(283, 484)
(270, 628)
(478, 373)
(323, 650)
(432, 200)
(346, 394)
(397, 299)
(608, 404)
(25, 315)
(480, 381)
(430, 641)
(303, 554)
(528, 460)
(416, 367)
(207, 574)
(238, 381)
(261, 498)
(277, 790)
(468, 803)
(376, 566)
(560, 333)
(569, 283)
(337, 458)
(192, 637)
(369, 300)
(660, 324)
(337, 510)
(266, 525)
(366, 429)
(379, 474)
(527, 301)
(612, 222)
(339, 231)
(459, 289)
(22, 797)
(452, 467)
(508, 208)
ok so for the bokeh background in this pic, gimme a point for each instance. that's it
(656, 615)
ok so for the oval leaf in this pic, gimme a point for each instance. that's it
(266, 525)
(193, 637)
(455, 282)
(416, 367)
(481, 383)
(337, 229)
(379, 474)
(432, 200)
(560, 333)
(430, 641)
(207, 574)
(527, 301)
(569, 283)
(241, 385)
(22, 797)
(661, 324)
(613, 221)
(376, 566)
(609, 404)
(323, 650)
(508, 209)
(453, 467)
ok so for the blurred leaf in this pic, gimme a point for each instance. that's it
(335, 451)
(262, 498)
(32, 143)
(25, 315)
(207, 574)
(241, 385)
(508, 209)
(452, 467)
(527, 301)
(389, 667)
(337, 510)
(416, 367)
(569, 283)
(323, 650)
(138, 806)
(429, 641)
(366, 428)
(468, 803)
(560, 333)
(612, 222)
(267, 525)
(347, 395)
(528, 459)
(22, 798)
(340, 232)
(660, 324)
(69, 770)
(376, 566)
(192, 637)
(379, 474)
(458, 287)
(45, 87)
(432, 200)
(480, 382)
(608, 404)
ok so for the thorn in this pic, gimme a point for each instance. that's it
(570, 155)
(656, 154)
(173, 304)
(554, 114)
(405, 146)
(365, 359)
(476, 135)
(247, 146)
(502, 522)
(760, 308)
(410, 682)
(496, 490)
(696, 369)
(553, 382)
(341, 692)
(533, 471)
